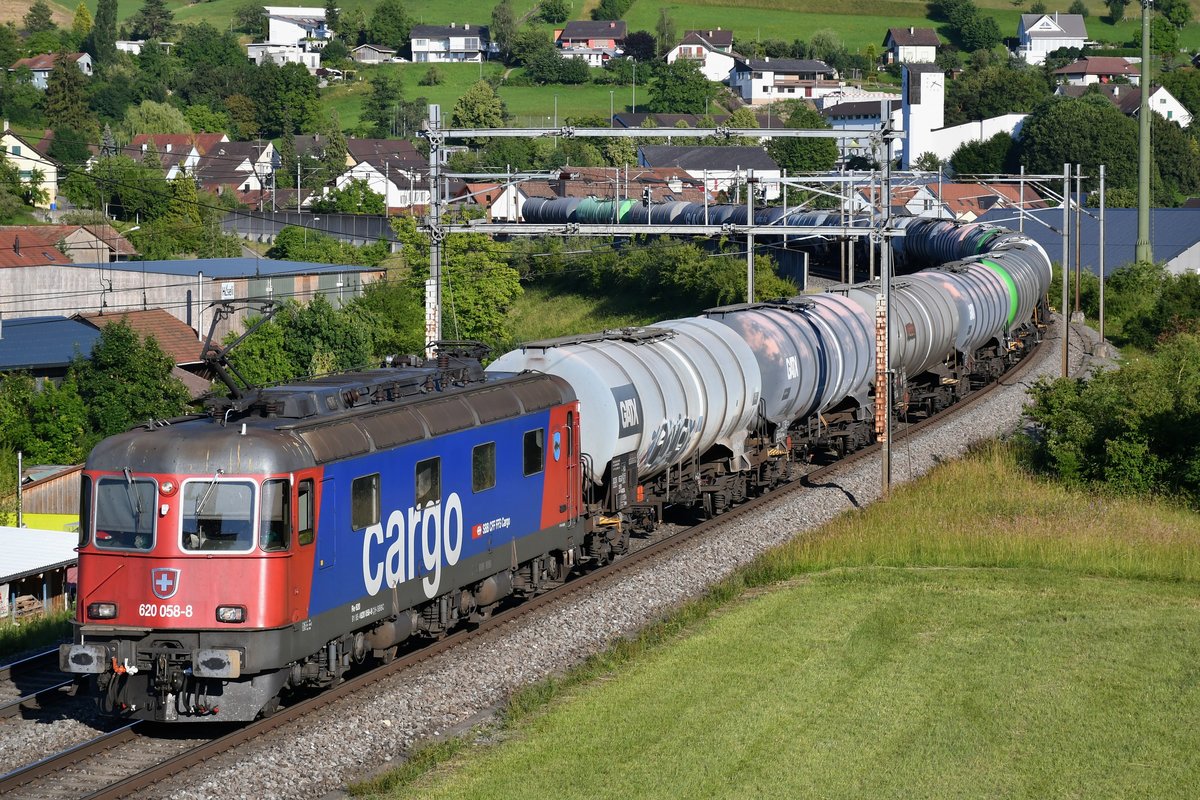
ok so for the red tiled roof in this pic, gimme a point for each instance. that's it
(1099, 65)
(42, 62)
(30, 246)
(976, 198)
(175, 337)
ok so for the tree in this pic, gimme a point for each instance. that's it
(1184, 85)
(126, 380)
(152, 117)
(993, 91)
(153, 21)
(387, 91)
(82, 24)
(335, 52)
(804, 154)
(39, 18)
(201, 118)
(1079, 7)
(1088, 131)
(104, 32)
(479, 285)
(681, 88)
(69, 146)
(641, 46)
(664, 32)
(1164, 37)
(555, 11)
(980, 33)
(333, 151)
(390, 24)
(250, 17)
(986, 157)
(203, 48)
(1116, 10)
(1176, 12)
(432, 77)
(503, 27)
(743, 117)
(479, 107)
(333, 19)
(66, 98)
(354, 197)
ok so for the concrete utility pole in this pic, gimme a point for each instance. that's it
(1066, 262)
(1142, 250)
(750, 181)
(433, 285)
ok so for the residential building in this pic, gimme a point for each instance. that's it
(372, 54)
(31, 161)
(41, 65)
(262, 52)
(451, 43)
(719, 38)
(1129, 100)
(908, 201)
(967, 201)
(718, 168)
(714, 62)
(910, 46)
(80, 243)
(1099, 69)
(29, 246)
(238, 167)
(769, 80)
(298, 25)
(595, 41)
(134, 46)
(402, 185)
(1038, 35)
(177, 152)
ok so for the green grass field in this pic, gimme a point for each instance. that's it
(543, 313)
(982, 634)
(34, 633)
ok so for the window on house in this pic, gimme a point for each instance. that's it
(16, 151)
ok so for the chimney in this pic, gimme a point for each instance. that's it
(612, 24)
(466, 26)
(5, 126)
(144, 146)
(911, 30)
(17, 245)
(169, 147)
(453, 24)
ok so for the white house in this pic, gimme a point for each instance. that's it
(716, 64)
(771, 79)
(448, 43)
(1129, 100)
(400, 187)
(924, 99)
(134, 46)
(594, 41)
(1041, 34)
(26, 158)
(298, 25)
(263, 52)
(1099, 69)
(910, 46)
(41, 65)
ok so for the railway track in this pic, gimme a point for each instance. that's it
(131, 759)
(32, 683)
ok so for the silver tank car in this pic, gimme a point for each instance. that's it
(923, 325)
(667, 392)
(812, 351)
(982, 306)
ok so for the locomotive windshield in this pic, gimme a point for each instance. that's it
(125, 513)
(218, 515)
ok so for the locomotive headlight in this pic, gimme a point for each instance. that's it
(231, 613)
(168, 488)
(102, 610)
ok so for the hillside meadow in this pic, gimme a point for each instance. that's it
(982, 633)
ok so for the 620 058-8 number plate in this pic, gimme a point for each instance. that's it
(164, 610)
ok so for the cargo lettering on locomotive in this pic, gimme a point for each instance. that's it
(437, 530)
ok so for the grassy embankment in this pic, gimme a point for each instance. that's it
(33, 634)
(981, 634)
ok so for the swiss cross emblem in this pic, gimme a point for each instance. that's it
(165, 582)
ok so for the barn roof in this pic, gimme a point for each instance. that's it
(28, 551)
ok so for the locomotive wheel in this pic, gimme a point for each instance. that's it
(270, 708)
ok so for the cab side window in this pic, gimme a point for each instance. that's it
(483, 467)
(275, 516)
(429, 482)
(364, 501)
(535, 448)
(304, 513)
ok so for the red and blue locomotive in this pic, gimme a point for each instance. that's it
(227, 557)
